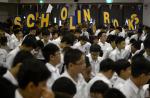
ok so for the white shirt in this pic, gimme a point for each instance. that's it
(10, 77)
(130, 90)
(80, 84)
(85, 33)
(84, 48)
(146, 56)
(55, 74)
(116, 54)
(95, 64)
(17, 94)
(119, 83)
(3, 54)
(56, 41)
(104, 46)
(10, 57)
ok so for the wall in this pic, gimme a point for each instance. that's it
(146, 13)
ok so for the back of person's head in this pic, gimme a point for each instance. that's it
(111, 38)
(139, 65)
(95, 48)
(83, 38)
(49, 49)
(72, 56)
(68, 39)
(32, 71)
(99, 87)
(140, 31)
(120, 65)
(137, 45)
(119, 28)
(62, 95)
(114, 93)
(106, 65)
(29, 41)
(45, 32)
(64, 85)
(100, 34)
(119, 39)
(21, 56)
(146, 43)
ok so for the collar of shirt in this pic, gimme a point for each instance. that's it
(133, 86)
(51, 68)
(10, 77)
(17, 94)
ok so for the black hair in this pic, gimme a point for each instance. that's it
(72, 56)
(99, 87)
(111, 38)
(64, 85)
(137, 45)
(29, 41)
(139, 65)
(32, 70)
(119, 39)
(114, 93)
(121, 64)
(147, 43)
(95, 48)
(21, 56)
(69, 39)
(49, 49)
(107, 64)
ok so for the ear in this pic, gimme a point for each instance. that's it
(30, 87)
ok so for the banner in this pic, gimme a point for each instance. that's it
(117, 14)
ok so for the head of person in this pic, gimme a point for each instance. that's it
(111, 39)
(77, 33)
(140, 31)
(18, 33)
(107, 67)
(55, 34)
(140, 70)
(123, 68)
(74, 60)
(95, 51)
(114, 93)
(29, 43)
(51, 54)
(136, 45)
(83, 40)
(45, 34)
(32, 77)
(147, 45)
(67, 40)
(98, 89)
(118, 29)
(65, 86)
(17, 62)
(120, 42)
(32, 31)
(102, 36)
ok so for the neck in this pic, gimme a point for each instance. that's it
(74, 76)
(136, 81)
(24, 94)
(123, 77)
(13, 72)
(52, 63)
(106, 74)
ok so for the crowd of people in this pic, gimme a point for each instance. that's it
(88, 62)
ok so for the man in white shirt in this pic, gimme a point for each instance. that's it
(94, 58)
(51, 54)
(74, 61)
(140, 74)
(123, 70)
(119, 52)
(28, 44)
(32, 77)
(102, 42)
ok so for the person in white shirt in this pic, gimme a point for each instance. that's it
(84, 31)
(110, 39)
(83, 45)
(140, 74)
(16, 39)
(74, 61)
(45, 36)
(119, 52)
(28, 44)
(102, 42)
(51, 54)
(32, 77)
(123, 70)
(94, 58)
(138, 36)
